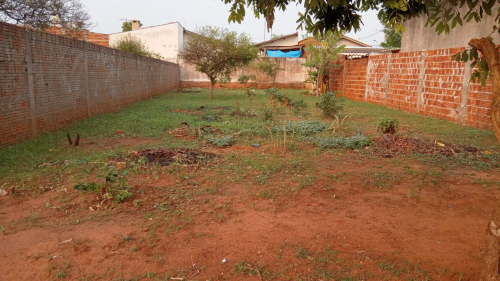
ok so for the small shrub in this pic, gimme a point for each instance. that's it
(222, 141)
(134, 45)
(304, 128)
(243, 79)
(114, 187)
(353, 142)
(330, 104)
(388, 125)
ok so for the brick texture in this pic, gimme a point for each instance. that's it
(429, 83)
(65, 80)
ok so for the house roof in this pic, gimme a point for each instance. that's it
(277, 38)
(302, 42)
(355, 41)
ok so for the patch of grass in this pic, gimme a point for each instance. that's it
(391, 267)
(60, 274)
(267, 194)
(380, 179)
(252, 269)
(484, 183)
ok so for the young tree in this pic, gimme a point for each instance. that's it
(134, 45)
(40, 14)
(218, 53)
(392, 38)
(322, 56)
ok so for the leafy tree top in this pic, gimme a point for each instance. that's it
(218, 52)
(344, 15)
(41, 14)
(392, 38)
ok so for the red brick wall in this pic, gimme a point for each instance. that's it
(65, 80)
(426, 82)
(355, 79)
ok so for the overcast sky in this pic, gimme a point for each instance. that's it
(109, 15)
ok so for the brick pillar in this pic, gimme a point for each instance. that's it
(31, 82)
(420, 97)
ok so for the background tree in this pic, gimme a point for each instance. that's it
(40, 14)
(218, 53)
(392, 38)
(134, 45)
(322, 56)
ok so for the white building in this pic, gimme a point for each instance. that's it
(166, 39)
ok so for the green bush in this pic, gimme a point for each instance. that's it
(353, 142)
(304, 128)
(330, 104)
(134, 45)
(388, 125)
(243, 79)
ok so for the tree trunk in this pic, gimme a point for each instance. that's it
(492, 56)
(318, 83)
(211, 90)
(491, 254)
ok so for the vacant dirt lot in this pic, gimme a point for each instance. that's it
(192, 210)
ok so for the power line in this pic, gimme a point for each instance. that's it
(371, 34)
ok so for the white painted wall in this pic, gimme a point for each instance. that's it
(289, 41)
(163, 39)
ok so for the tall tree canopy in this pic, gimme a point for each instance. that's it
(40, 14)
(218, 53)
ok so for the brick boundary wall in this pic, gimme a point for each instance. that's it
(428, 83)
(48, 81)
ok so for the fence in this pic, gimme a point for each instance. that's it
(426, 82)
(49, 81)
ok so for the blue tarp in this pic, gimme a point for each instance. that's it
(280, 54)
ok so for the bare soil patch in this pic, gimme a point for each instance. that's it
(166, 156)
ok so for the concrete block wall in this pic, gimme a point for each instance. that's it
(48, 81)
(429, 83)
(292, 76)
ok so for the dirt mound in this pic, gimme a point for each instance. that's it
(390, 145)
(167, 156)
